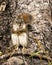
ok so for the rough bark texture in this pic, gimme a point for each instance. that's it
(39, 30)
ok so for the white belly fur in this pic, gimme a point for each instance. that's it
(15, 40)
(19, 39)
(23, 39)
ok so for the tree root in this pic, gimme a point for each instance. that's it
(40, 56)
(34, 55)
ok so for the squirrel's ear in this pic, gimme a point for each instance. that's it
(30, 17)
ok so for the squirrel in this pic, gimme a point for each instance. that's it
(19, 34)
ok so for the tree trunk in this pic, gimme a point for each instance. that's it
(40, 32)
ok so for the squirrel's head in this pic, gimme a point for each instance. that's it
(25, 17)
